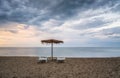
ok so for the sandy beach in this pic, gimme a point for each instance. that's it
(28, 67)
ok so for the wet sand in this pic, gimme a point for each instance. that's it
(28, 67)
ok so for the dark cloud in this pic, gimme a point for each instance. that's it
(12, 31)
(112, 33)
(115, 30)
(95, 23)
(26, 27)
(23, 11)
(70, 7)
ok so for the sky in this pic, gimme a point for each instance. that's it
(79, 23)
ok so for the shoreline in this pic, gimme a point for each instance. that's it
(65, 57)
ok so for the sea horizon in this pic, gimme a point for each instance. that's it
(77, 52)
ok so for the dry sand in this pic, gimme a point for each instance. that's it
(27, 67)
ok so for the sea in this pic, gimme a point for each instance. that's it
(78, 52)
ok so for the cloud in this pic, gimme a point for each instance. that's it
(35, 12)
(91, 27)
(74, 21)
(18, 35)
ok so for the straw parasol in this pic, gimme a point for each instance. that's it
(51, 41)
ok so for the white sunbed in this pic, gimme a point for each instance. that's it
(60, 59)
(43, 59)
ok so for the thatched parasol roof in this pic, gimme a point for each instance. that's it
(52, 41)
